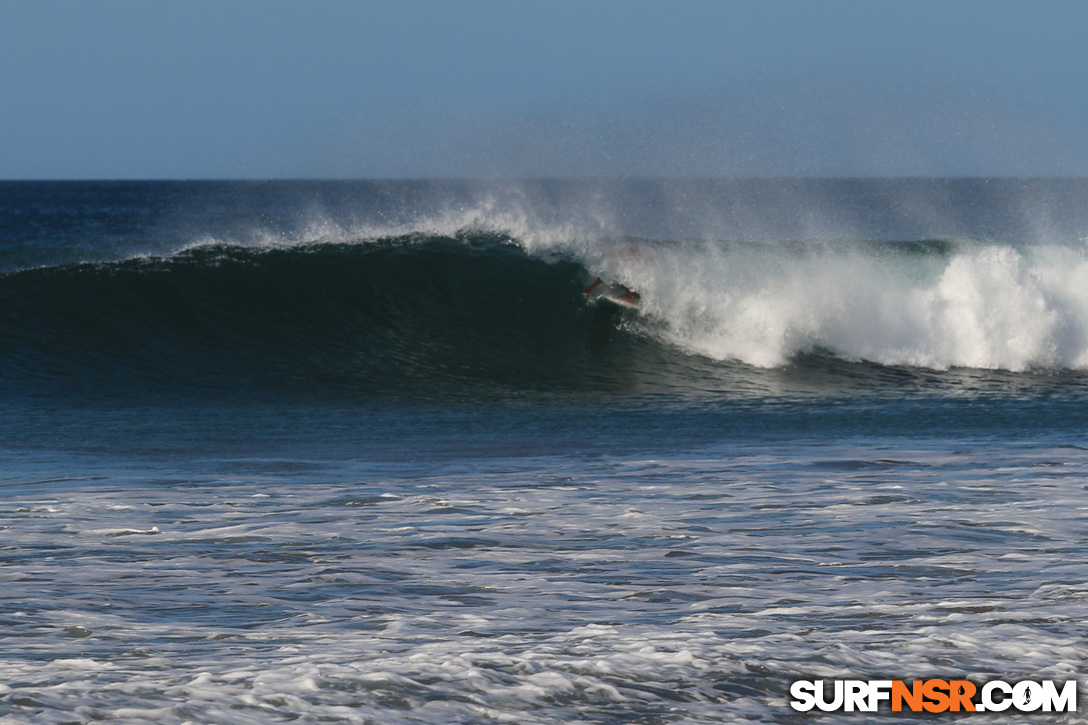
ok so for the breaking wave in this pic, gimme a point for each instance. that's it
(425, 313)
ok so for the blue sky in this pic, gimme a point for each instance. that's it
(413, 88)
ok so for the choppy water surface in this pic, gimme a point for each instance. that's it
(612, 589)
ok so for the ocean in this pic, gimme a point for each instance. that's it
(364, 452)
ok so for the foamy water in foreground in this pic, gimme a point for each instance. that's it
(605, 589)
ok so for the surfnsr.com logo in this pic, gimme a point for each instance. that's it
(934, 696)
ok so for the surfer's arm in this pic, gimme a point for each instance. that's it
(596, 283)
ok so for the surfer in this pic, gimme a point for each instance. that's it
(616, 292)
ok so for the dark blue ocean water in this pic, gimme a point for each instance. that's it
(365, 452)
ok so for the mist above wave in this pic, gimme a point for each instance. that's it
(757, 271)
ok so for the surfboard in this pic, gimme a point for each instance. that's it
(614, 293)
(625, 301)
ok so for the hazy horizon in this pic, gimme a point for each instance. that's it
(491, 90)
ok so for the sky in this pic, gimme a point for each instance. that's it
(127, 89)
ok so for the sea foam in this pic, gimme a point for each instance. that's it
(961, 304)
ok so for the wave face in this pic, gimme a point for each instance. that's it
(391, 315)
